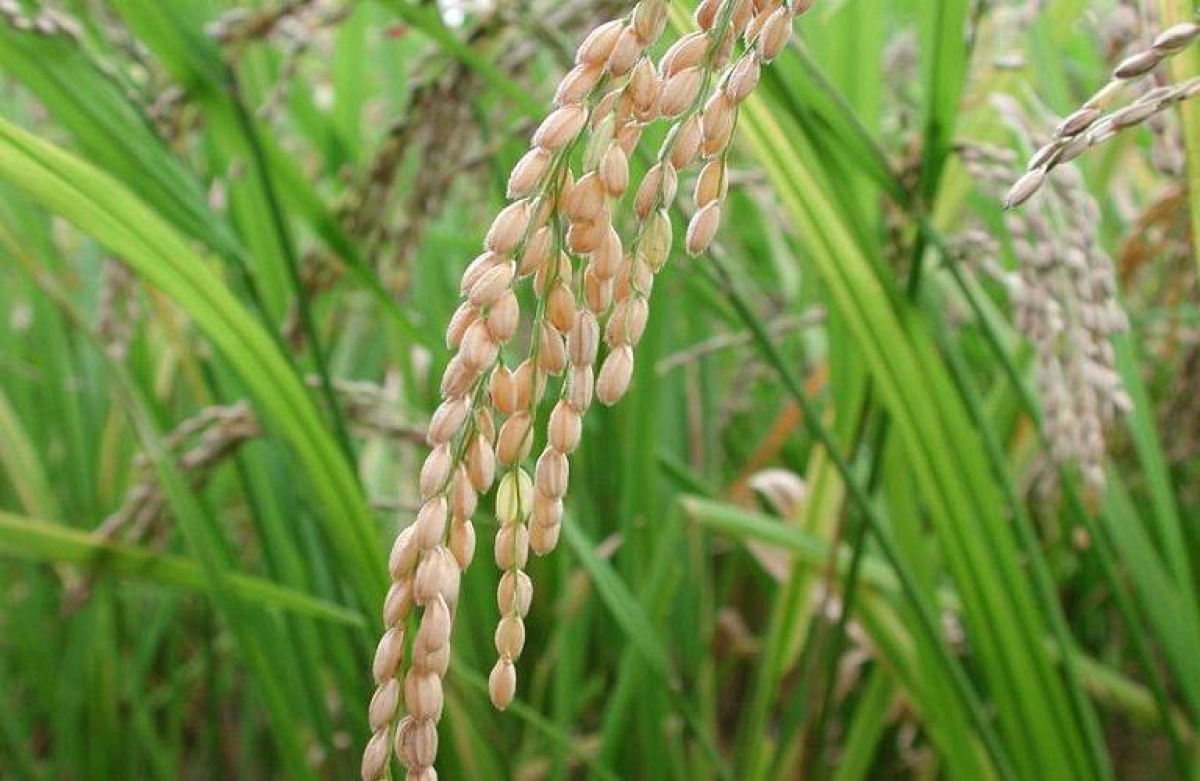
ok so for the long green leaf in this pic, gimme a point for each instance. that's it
(105, 209)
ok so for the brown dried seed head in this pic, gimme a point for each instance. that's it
(431, 523)
(614, 171)
(743, 79)
(685, 53)
(743, 12)
(565, 428)
(531, 384)
(435, 471)
(510, 637)
(428, 662)
(388, 654)
(435, 662)
(434, 631)
(776, 33)
(1024, 188)
(634, 279)
(649, 19)
(479, 348)
(550, 272)
(1178, 37)
(563, 124)
(447, 419)
(421, 774)
(1077, 122)
(552, 474)
(706, 13)
(492, 285)
(538, 250)
(615, 376)
(502, 684)
(402, 560)
(628, 136)
(398, 603)
(463, 498)
(685, 140)
(606, 260)
(477, 268)
(703, 228)
(458, 377)
(462, 543)
(503, 390)
(547, 511)
(485, 424)
(503, 317)
(599, 44)
(761, 15)
(604, 111)
(515, 440)
(657, 190)
(528, 173)
(552, 351)
(424, 742)
(466, 314)
(383, 705)
(719, 116)
(597, 292)
(481, 464)
(560, 308)
(680, 91)
(724, 50)
(437, 577)
(587, 198)
(581, 384)
(577, 84)
(404, 749)
(627, 323)
(375, 756)
(508, 227)
(514, 595)
(712, 183)
(423, 696)
(644, 86)
(584, 237)
(512, 546)
(626, 53)
(544, 539)
(1138, 64)
(583, 339)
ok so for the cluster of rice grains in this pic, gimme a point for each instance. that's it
(1065, 296)
(592, 295)
(1090, 126)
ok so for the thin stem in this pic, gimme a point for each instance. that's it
(811, 420)
(288, 250)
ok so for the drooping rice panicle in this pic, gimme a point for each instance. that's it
(560, 230)
(1090, 125)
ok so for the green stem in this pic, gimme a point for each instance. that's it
(288, 251)
(811, 420)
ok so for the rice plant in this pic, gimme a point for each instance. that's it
(835, 362)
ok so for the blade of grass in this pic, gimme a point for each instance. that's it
(103, 208)
(42, 541)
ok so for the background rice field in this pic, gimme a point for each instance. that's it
(844, 525)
